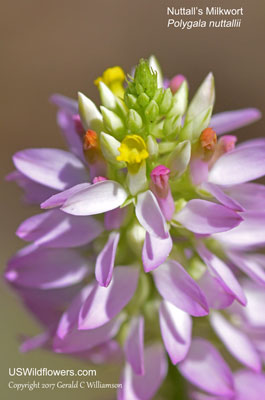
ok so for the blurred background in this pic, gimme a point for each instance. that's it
(62, 46)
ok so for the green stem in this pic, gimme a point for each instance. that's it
(174, 386)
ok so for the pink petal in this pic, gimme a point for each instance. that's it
(257, 142)
(250, 233)
(176, 286)
(244, 195)
(248, 265)
(134, 345)
(57, 229)
(144, 387)
(249, 386)
(231, 120)
(103, 304)
(237, 342)
(46, 305)
(57, 169)
(253, 313)
(222, 197)
(205, 217)
(215, 294)
(105, 260)
(34, 193)
(115, 218)
(205, 368)
(150, 216)
(65, 103)
(239, 166)
(69, 339)
(47, 268)
(198, 171)
(222, 273)
(175, 328)
(202, 396)
(108, 352)
(155, 251)
(69, 319)
(59, 199)
(79, 341)
(35, 342)
(71, 136)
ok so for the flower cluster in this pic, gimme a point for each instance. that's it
(149, 242)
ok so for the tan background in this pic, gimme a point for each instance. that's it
(61, 46)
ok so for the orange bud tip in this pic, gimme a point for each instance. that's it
(90, 140)
(208, 139)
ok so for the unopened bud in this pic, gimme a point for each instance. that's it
(152, 146)
(89, 114)
(152, 111)
(112, 122)
(166, 101)
(143, 100)
(130, 100)
(134, 121)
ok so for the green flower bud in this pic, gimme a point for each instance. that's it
(139, 89)
(166, 101)
(156, 129)
(166, 147)
(121, 109)
(143, 100)
(152, 111)
(109, 147)
(203, 99)
(193, 128)
(89, 114)
(158, 95)
(113, 122)
(134, 121)
(172, 126)
(180, 101)
(130, 100)
(131, 88)
(179, 159)
(152, 146)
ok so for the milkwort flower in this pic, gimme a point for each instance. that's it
(150, 221)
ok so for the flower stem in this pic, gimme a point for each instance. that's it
(174, 387)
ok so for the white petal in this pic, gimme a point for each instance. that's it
(96, 199)
(236, 342)
(150, 216)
